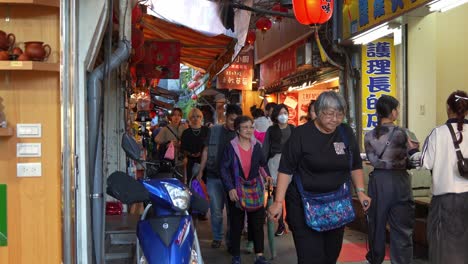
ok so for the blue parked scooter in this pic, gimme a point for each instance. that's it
(166, 234)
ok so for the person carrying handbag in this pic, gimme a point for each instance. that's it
(324, 155)
(443, 152)
(243, 172)
(388, 149)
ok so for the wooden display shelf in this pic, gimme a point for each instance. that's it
(28, 65)
(6, 131)
(54, 3)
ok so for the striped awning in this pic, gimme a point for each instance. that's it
(203, 53)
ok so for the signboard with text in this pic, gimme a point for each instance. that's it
(378, 78)
(359, 15)
(304, 100)
(239, 74)
(279, 65)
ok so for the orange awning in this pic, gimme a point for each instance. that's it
(204, 53)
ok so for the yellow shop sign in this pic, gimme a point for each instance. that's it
(359, 15)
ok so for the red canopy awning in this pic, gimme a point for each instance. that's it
(204, 53)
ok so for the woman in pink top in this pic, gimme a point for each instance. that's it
(243, 164)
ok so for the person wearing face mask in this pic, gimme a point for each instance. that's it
(275, 138)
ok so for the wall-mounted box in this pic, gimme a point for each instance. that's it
(28, 130)
(28, 150)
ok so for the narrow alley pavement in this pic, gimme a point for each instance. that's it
(353, 243)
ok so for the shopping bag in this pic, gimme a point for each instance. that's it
(170, 152)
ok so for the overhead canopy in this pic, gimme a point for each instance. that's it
(204, 53)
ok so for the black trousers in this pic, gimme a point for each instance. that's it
(255, 221)
(392, 203)
(447, 229)
(312, 247)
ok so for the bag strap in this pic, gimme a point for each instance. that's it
(455, 143)
(177, 137)
(388, 142)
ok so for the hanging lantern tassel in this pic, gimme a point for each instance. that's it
(323, 54)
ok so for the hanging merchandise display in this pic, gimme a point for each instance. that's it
(161, 60)
(310, 12)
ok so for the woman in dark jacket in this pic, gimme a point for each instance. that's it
(275, 137)
(243, 160)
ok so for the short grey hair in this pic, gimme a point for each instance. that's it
(330, 99)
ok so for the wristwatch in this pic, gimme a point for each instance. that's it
(360, 190)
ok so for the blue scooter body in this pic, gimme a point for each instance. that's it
(168, 236)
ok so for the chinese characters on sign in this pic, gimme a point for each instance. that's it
(378, 78)
(279, 65)
(360, 15)
(239, 75)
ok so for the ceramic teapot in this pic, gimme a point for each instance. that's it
(36, 51)
(6, 40)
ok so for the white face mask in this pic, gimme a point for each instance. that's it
(283, 119)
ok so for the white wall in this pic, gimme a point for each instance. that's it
(437, 60)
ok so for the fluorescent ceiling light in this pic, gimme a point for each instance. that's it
(375, 33)
(397, 37)
(444, 5)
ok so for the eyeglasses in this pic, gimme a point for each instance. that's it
(247, 127)
(336, 114)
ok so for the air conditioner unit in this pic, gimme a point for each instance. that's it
(304, 54)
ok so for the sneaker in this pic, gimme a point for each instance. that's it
(216, 244)
(261, 260)
(236, 260)
(280, 230)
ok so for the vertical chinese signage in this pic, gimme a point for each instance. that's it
(239, 75)
(378, 78)
(3, 215)
(359, 15)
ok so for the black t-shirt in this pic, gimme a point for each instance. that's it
(225, 137)
(321, 159)
(193, 141)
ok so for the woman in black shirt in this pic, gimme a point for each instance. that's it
(316, 152)
(192, 143)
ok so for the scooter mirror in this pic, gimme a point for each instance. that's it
(131, 147)
(198, 203)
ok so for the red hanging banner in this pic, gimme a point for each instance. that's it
(161, 60)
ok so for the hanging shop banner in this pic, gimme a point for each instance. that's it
(279, 65)
(3, 215)
(378, 78)
(161, 60)
(239, 74)
(304, 100)
(291, 100)
(360, 15)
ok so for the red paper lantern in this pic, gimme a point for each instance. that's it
(263, 24)
(194, 97)
(310, 12)
(279, 8)
(251, 36)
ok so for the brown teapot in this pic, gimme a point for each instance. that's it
(6, 40)
(36, 51)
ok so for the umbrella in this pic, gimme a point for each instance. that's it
(271, 226)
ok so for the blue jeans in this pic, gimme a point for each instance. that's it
(217, 202)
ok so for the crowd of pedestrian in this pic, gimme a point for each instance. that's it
(318, 159)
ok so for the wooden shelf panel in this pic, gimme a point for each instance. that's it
(6, 132)
(28, 65)
(54, 3)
